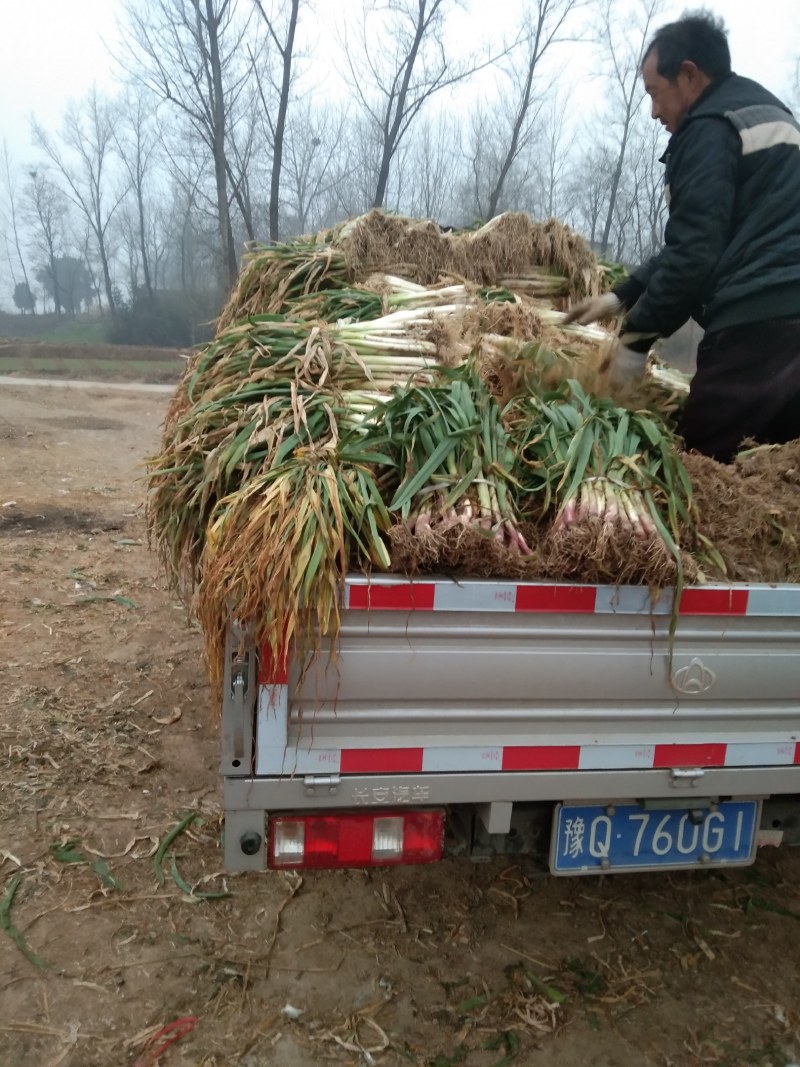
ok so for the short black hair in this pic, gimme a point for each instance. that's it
(697, 36)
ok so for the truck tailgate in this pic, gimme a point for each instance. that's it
(486, 677)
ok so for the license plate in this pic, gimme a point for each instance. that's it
(601, 838)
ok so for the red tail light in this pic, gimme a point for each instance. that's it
(356, 839)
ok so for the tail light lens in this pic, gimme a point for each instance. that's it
(356, 839)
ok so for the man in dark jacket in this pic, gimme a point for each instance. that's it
(731, 255)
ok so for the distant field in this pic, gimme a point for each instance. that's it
(93, 333)
(92, 329)
(91, 361)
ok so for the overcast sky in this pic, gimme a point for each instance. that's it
(51, 50)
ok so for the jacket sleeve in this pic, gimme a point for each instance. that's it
(703, 173)
(629, 291)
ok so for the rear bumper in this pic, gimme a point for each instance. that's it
(249, 800)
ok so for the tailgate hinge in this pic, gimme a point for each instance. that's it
(329, 782)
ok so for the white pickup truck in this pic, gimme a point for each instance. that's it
(484, 716)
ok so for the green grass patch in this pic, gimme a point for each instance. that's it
(92, 333)
(133, 370)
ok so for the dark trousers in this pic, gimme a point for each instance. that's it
(747, 384)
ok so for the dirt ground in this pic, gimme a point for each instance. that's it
(109, 741)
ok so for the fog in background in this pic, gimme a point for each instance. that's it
(147, 141)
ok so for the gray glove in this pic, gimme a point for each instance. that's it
(598, 307)
(627, 367)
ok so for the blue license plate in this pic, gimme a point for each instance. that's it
(601, 838)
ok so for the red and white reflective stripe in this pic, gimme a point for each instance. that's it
(389, 594)
(279, 759)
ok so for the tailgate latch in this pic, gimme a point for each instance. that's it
(239, 672)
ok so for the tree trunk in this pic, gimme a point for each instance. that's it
(391, 126)
(143, 244)
(229, 266)
(101, 247)
(280, 125)
(612, 196)
(513, 148)
(56, 293)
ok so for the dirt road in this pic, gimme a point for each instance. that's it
(78, 383)
(109, 741)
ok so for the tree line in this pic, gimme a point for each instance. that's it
(224, 133)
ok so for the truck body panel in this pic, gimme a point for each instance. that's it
(446, 692)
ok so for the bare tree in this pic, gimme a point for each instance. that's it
(192, 217)
(590, 183)
(555, 156)
(624, 39)
(649, 199)
(45, 213)
(315, 162)
(482, 157)
(485, 156)
(157, 239)
(128, 229)
(85, 245)
(354, 192)
(283, 39)
(239, 164)
(136, 142)
(394, 79)
(434, 169)
(88, 138)
(544, 25)
(9, 180)
(191, 53)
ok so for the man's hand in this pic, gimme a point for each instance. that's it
(627, 366)
(599, 307)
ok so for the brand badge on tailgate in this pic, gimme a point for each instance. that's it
(695, 678)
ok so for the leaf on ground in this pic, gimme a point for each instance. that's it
(553, 994)
(125, 601)
(767, 905)
(8, 927)
(67, 852)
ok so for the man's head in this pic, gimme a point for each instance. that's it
(681, 61)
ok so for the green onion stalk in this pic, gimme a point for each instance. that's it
(539, 283)
(278, 548)
(261, 391)
(669, 377)
(596, 462)
(550, 317)
(275, 276)
(453, 460)
(611, 274)
(382, 295)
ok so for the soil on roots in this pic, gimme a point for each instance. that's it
(593, 551)
(466, 551)
(750, 511)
